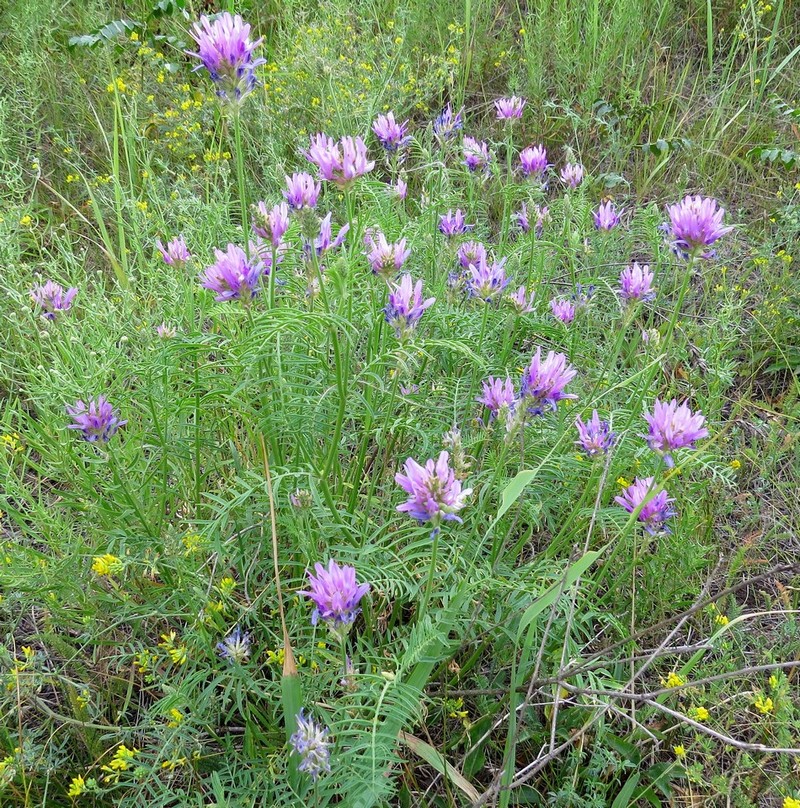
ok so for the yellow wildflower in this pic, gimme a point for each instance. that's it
(673, 680)
(26, 221)
(721, 620)
(76, 787)
(621, 481)
(764, 705)
(791, 802)
(735, 464)
(11, 442)
(699, 713)
(176, 718)
(106, 564)
(679, 750)
(142, 206)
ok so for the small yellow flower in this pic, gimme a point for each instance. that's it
(721, 620)
(735, 464)
(791, 802)
(76, 787)
(226, 586)
(123, 758)
(622, 482)
(773, 681)
(764, 705)
(176, 718)
(26, 221)
(674, 680)
(134, 36)
(106, 565)
(699, 713)
(142, 206)
(11, 442)
(679, 750)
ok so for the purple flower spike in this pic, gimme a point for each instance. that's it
(498, 396)
(636, 283)
(340, 163)
(471, 252)
(476, 155)
(52, 299)
(226, 51)
(509, 108)
(486, 281)
(336, 595)
(521, 303)
(572, 174)
(301, 191)
(235, 647)
(447, 124)
(434, 492)
(233, 276)
(520, 219)
(696, 223)
(165, 331)
(271, 224)
(386, 259)
(606, 216)
(562, 310)
(533, 160)
(391, 135)
(97, 420)
(176, 253)
(673, 427)
(655, 511)
(594, 437)
(311, 743)
(543, 382)
(406, 306)
(453, 223)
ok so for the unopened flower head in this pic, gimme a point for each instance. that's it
(97, 420)
(342, 162)
(175, 253)
(301, 499)
(235, 647)
(498, 396)
(583, 294)
(447, 123)
(606, 216)
(636, 283)
(453, 223)
(522, 302)
(310, 741)
(53, 299)
(335, 593)
(656, 510)
(486, 281)
(434, 492)
(533, 160)
(384, 257)
(544, 380)
(406, 305)
(476, 154)
(271, 223)
(391, 134)
(233, 276)
(302, 191)
(165, 331)
(594, 437)
(572, 174)
(695, 224)
(399, 188)
(509, 108)
(562, 310)
(225, 49)
(471, 252)
(520, 219)
(673, 426)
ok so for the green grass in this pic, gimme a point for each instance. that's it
(495, 662)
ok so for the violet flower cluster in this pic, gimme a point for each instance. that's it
(533, 160)
(447, 124)
(695, 223)
(672, 427)
(175, 253)
(656, 509)
(521, 302)
(606, 216)
(476, 155)
(384, 257)
(544, 380)
(562, 310)
(391, 135)
(509, 109)
(435, 495)
(226, 51)
(271, 224)
(341, 163)
(499, 397)
(97, 420)
(572, 174)
(486, 281)
(235, 647)
(406, 306)
(234, 276)
(53, 299)
(595, 436)
(453, 223)
(636, 283)
(310, 742)
(336, 595)
(302, 191)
